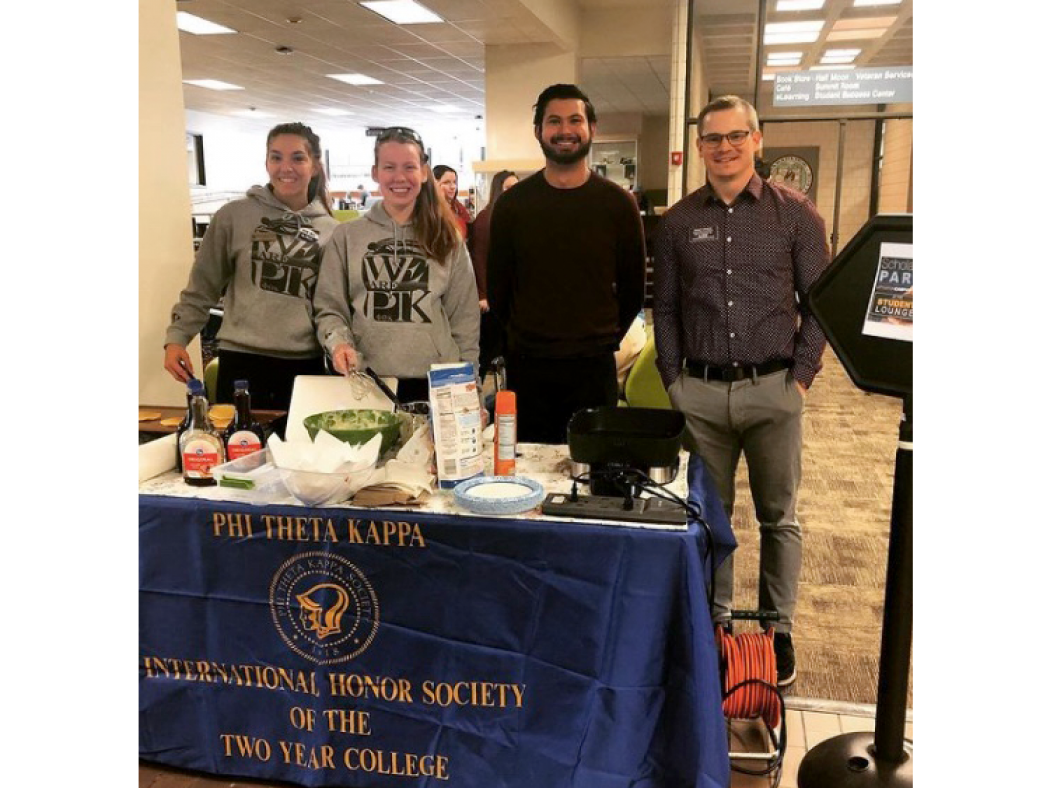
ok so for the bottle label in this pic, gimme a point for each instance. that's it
(505, 436)
(241, 443)
(198, 458)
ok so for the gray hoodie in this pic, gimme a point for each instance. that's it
(398, 309)
(267, 259)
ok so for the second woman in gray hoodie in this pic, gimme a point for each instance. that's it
(396, 289)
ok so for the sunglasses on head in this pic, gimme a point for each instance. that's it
(391, 132)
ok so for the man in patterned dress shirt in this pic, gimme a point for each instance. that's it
(737, 345)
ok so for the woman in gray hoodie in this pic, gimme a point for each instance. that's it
(396, 291)
(264, 253)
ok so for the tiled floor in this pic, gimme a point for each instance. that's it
(806, 728)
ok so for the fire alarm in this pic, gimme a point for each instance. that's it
(676, 157)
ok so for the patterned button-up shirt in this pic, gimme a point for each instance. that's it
(730, 282)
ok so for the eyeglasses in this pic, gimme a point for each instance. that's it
(736, 139)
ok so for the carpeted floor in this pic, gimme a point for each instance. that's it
(850, 441)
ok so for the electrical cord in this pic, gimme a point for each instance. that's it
(750, 690)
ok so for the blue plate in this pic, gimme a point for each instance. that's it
(498, 494)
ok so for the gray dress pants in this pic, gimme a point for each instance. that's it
(762, 417)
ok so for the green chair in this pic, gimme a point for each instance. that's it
(211, 379)
(643, 387)
(344, 215)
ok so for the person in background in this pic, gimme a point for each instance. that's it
(737, 346)
(396, 291)
(264, 252)
(364, 195)
(478, 245)
(448, 185)
(566, 273)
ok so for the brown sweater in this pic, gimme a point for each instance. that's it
(566, 267)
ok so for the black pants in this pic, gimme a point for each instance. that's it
(269, 379)
(491, 341)
(550, 390)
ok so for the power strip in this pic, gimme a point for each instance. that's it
(606, 507)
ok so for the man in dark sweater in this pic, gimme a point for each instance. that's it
(566, 273)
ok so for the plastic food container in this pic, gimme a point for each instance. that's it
(315, 488)
(252, 478)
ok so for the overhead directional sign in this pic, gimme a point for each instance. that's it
(846, 302)
(886, 85)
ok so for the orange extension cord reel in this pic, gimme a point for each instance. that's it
(749, 676)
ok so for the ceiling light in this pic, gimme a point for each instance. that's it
(799, 5)
(830, 68)
(875, 2)
(814, 25)
(403, 12)
(790, 38)
(335, 113)
(864, 23)
(212, 84)
(831, 60)
(783, 56)
(252, 113)
(842, 52)
(189, 23)
(855, 35)
(442, 108)
(355, 79)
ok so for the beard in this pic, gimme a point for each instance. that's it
(556, 156)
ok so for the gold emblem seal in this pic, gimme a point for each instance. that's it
(323, 607)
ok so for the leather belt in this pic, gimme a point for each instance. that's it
(698, 369)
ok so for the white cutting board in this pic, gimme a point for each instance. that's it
(317, 393)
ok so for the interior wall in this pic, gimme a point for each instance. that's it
(514, 76)
(856, 176)
(165, 235)
(653, 153)
(895, 178)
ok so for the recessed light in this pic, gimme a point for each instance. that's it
(403, 12)
(842, 52)
(442, 108)
(212, 84)
(355, 79)
(790, 38)
(335, 113)
(799, 5)
(813, 25)
(834, 60)
(875, 2)
(189, 23)
(864, 23)
(783, 56)
(855, 35)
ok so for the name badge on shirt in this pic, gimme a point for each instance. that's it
(703, 234)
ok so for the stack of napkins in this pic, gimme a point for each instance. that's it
(406, 480)
(326, 454)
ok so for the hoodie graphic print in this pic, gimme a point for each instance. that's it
(397, 282)
(286, 256)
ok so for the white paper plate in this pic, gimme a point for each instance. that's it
(498, 494)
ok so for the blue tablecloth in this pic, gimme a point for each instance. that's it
(343, 646)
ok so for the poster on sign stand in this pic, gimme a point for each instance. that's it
(890, 307)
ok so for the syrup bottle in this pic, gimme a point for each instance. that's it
(243, 436)
(200, 445)
(181, 429)
(506, 434)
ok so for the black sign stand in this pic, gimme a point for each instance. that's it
(840, 302)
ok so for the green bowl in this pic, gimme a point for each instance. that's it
(356, 426)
